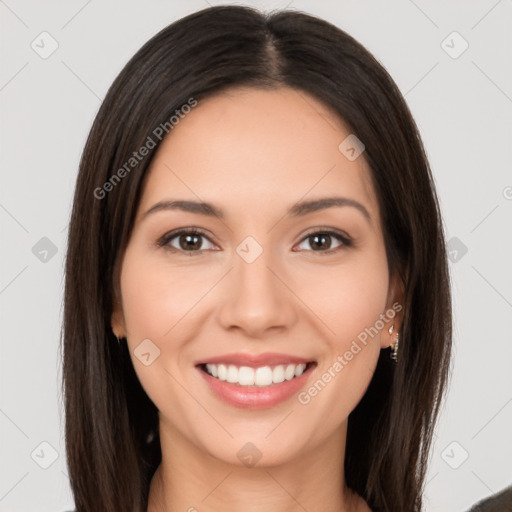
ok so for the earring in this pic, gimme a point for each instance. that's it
(394, 346)
(117, 337)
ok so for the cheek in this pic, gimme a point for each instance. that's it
(156, 296)
(350, 302)
(160, 304)
(157, 303)
(348, 297)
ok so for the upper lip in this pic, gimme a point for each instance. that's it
(254, 360)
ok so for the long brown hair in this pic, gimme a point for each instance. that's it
(111, 425)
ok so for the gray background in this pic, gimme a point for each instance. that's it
(462, 103)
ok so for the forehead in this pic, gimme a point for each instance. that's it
(249, 147)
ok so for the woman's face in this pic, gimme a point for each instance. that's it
(262, 278)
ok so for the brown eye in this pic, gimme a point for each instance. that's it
(321, 241)
(190, 241)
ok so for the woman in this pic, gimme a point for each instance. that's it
(257, 304)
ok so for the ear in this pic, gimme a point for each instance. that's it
(117, 320)
(394, 314)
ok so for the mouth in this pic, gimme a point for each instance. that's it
(258, 386)
(260, 377)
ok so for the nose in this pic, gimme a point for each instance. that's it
(258, 298)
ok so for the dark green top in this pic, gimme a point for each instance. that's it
(500, 502)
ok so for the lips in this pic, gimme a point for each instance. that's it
(255, 361)
(269, 389)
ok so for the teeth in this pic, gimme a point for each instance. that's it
(262, 376)
(299, 371)
(232, 375)
(278, 374)
(247, 376)
(289, 373)
(222, 371)
(212, 369)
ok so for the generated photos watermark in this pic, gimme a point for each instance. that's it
(342, 360)
(137, 156)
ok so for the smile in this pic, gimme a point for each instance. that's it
(259, 386)
(262, 376)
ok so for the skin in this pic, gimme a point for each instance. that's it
(255, 153)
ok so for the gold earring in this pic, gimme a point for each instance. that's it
(394, 346)
(117, 337)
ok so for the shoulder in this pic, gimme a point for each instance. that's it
(500, 502)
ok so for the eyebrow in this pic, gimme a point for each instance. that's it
(299, 209)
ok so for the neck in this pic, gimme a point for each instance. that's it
(189, 479)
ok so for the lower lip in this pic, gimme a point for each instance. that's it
(254, 397)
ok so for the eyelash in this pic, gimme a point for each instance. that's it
(343, 238)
